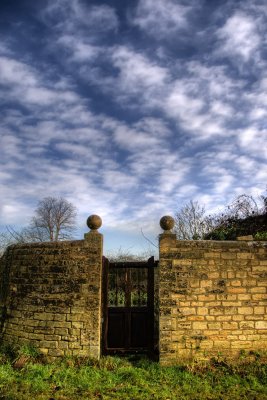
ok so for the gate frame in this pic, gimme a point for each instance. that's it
(151, 265)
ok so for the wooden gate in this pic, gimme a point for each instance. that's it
(128, 307)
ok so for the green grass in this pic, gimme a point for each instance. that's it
(118, 378)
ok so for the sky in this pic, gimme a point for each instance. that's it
(131, 108)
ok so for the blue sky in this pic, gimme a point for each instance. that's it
(131, 108)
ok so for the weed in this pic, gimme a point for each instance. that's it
(28, 350)
(8, 351)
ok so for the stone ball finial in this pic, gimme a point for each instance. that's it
(166, 223)
(94, 222)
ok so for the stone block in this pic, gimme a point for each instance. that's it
(230, 325)
(52, 337)
(228, 256)
(235, 282)
(215, 325)
(199, 325)
(81, 352)
(254, 317)
(213, 275)
(74, 345)
(207, 297)
(260, 296)
(44, 316)
(48, 344)
(60, 317)
(35, 336)
(245, 310)
(258, 289)
(77, 310)
(196, 318)
(208, 283)
(261, 325)
(63, 345)
(75, 317)
(188, 311)
(237, 317)
(55, 352)
(222, 344)
(43, 350)
(202, 310)
(77, 325)
(239, 344)
(61, 331)
(231, 274)
(224, 317)
(242, 297)
(236, 290)
(244, 256)
(61, 324)
(259, 310)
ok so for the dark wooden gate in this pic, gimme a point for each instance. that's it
(128, 306)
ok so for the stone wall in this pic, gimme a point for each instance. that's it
(213, 298)
(51, 296)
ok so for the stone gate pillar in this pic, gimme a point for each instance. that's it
(93, 242)
(167, 240)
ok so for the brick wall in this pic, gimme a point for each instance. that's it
(51, 296)
(213, 298)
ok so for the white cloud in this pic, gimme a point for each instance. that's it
(247, 165)
(136, 71)
(72, 15)
(171, 178)
(258, 113)
(14, 212)
(10, 146)
(223, 183)
(239, 36)
(133, 139)
(221, 108)
(80, 48)
(78, 151)
(117, 180)
(104, 17)
(181, 103)
(160, 17)
(44, 96)
(25, 85)
(13, 72)
(253, 140)
(154, 126)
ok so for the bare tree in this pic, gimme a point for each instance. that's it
(191, 222)
(54, 220)
(25, 235)
(5, 240)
